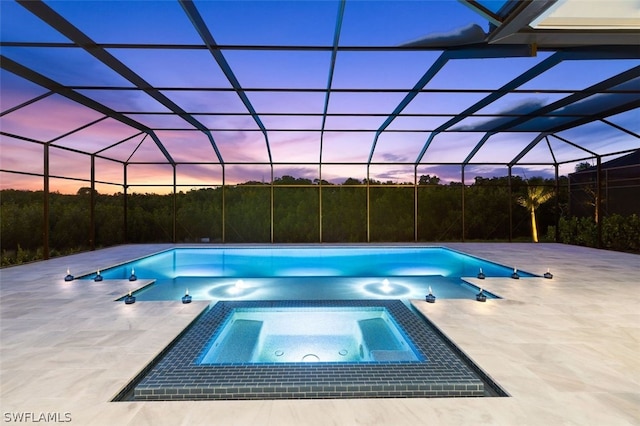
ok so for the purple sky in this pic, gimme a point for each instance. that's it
(293, 139)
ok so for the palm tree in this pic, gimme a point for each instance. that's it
(536, 196)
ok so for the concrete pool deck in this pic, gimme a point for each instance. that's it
(567, 350)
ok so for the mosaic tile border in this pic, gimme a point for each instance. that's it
(177, 376)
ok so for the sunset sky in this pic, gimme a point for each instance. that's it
(280, 85)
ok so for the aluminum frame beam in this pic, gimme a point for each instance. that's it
(477, 7)
(553, 60)
(431, 72)
(332, 66)
(26, 103)
(514, 28)
(528, 148)
(476, 148)
(77, 129)
(516, 82)
(203, 30)
(519, 19)
(35, 77)
(622, 129)
(554, 39)
(59, 23)
(602, 114)
(325, 108)
(568, 100)
(477, 52)
(575, 145)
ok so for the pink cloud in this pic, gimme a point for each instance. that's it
(98, 136)
(21, 155)
(48, 118)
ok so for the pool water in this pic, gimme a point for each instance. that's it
(306, 273)
(308, 335)
(250, 344)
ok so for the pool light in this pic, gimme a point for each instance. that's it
(129, 299)
(548, 275)
(238, 287)
(133, 276)
(186, 298)
(68, 277)
(430, 298)
(481, 275)
(481, 297)
(515, 275)
(386, 287)
(98, 277)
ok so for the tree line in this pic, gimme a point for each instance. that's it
(304, 211)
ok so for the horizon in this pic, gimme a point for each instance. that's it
(168, 189)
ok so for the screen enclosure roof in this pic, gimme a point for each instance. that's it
(340, 86)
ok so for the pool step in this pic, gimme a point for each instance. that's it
(238, 345)
(381, 343)
(377, 336)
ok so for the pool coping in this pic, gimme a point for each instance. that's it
(178, 376)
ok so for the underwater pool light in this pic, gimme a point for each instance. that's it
(186, 298)
(129, 299)
(238, 287)
(133, 276)
(481, 275)
(515, 274)
(98, 277)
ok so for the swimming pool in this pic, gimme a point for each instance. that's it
(306, 273)
(242, 347)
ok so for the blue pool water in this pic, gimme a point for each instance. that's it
(267, 335)
(306, 273)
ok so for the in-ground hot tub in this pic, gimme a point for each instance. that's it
(265, 335)
(436, 369)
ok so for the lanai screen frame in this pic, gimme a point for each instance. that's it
(540, 121)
